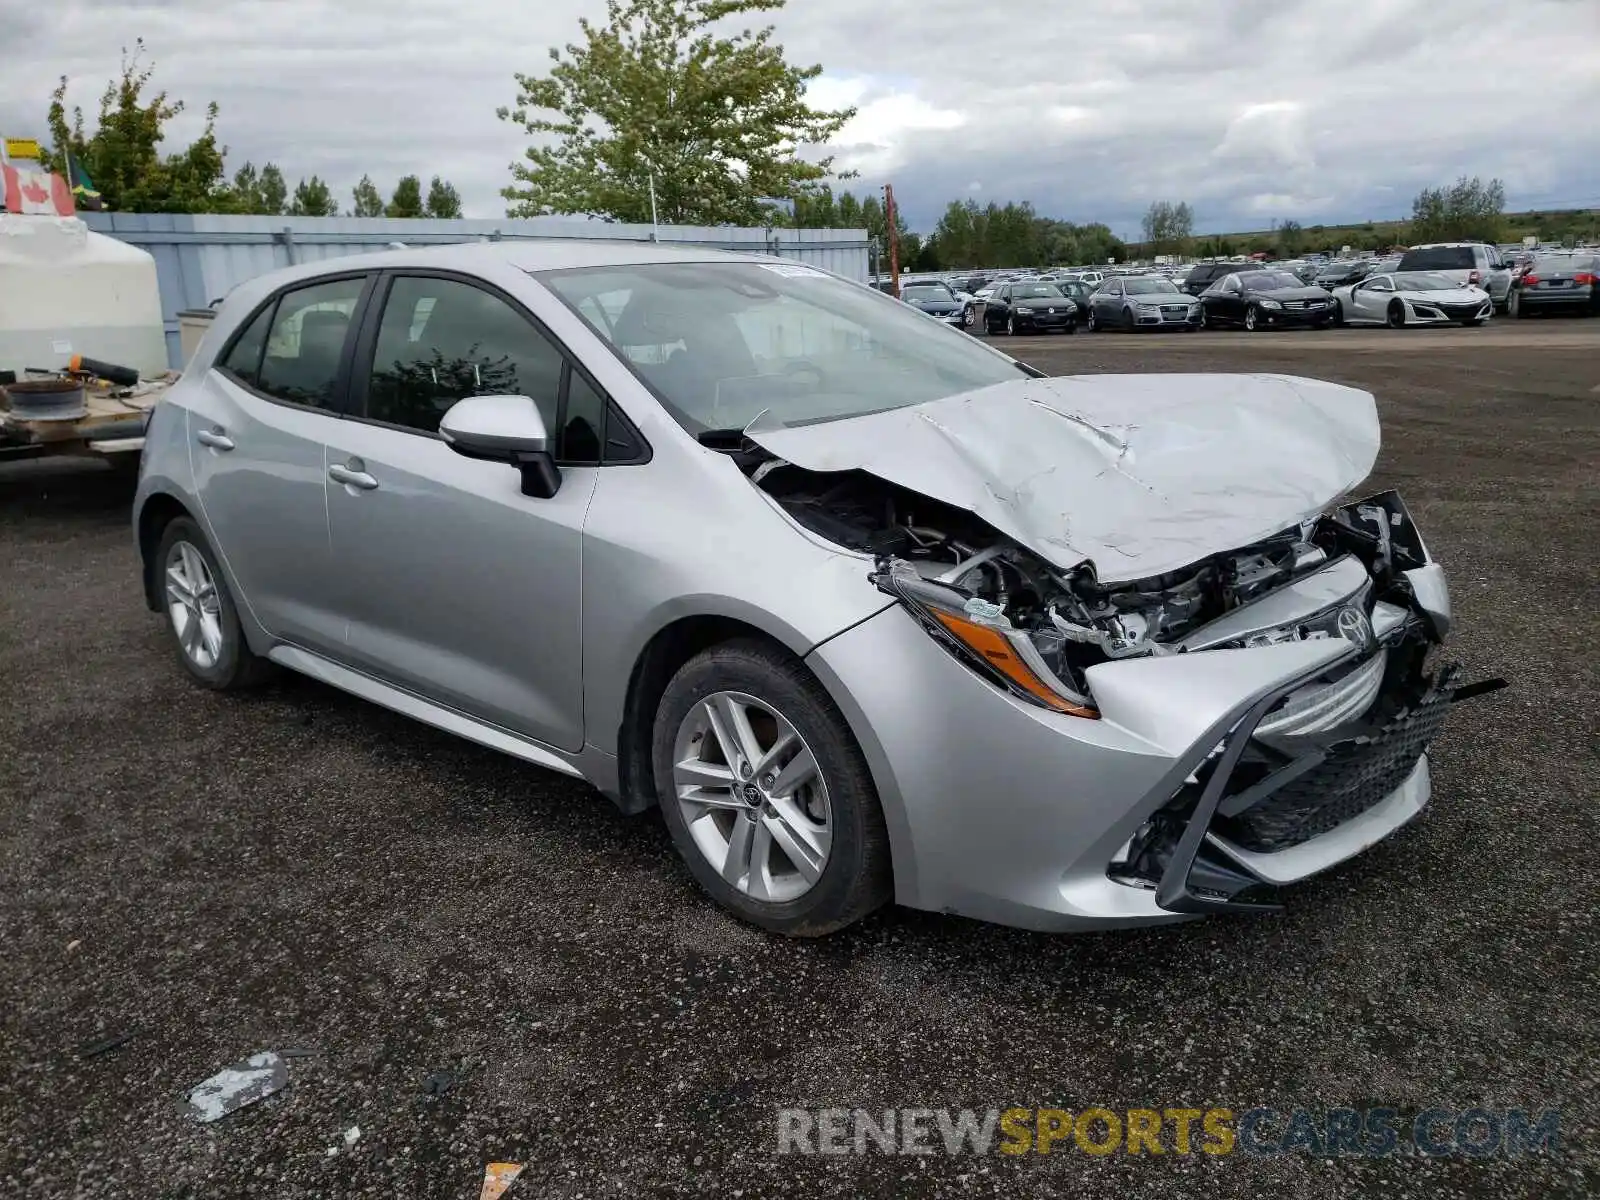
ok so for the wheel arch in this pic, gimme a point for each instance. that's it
(158, 510)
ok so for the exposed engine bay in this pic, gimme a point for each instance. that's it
(1353, 557)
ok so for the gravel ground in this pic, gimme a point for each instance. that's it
(294, 868)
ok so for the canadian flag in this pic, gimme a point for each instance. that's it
(34, 193)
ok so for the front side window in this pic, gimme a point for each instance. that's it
(441, 340)
(720, 343)
(306, 341)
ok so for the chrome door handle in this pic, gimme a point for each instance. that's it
(214, 438)
(352, 478)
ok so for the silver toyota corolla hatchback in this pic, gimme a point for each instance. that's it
(869, 609)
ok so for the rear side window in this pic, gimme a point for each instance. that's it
(1438, 258)
(243, 360)
(306, 341)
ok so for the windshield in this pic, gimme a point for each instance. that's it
(1438, 258)
(1271, 281)
(926, 291)
(1424, 281)
(722, 342)
(1148, 287)
(1036, 291)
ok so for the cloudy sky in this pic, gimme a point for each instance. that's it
(1252, 110)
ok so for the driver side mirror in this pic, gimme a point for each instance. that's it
(504, 429)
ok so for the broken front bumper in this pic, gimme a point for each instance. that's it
(1003, 811)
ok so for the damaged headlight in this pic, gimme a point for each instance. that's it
(981, 635)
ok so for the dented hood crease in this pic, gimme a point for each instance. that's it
(1137, 474)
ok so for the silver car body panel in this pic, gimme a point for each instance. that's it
(1138, 474)
(445, 594)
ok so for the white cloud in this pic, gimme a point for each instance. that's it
(1249, 109)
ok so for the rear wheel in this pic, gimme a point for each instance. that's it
(200, 612)
(1397, 315)
(766, 793)
(1514, 304)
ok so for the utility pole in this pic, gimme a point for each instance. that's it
(894, 240)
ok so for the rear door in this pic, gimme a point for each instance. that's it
(456, 586)
(258, 426)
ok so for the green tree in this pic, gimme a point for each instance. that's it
(1167, 227)
(367, 201)
(1467, 209)
(274, 191)
(122, 155)
(444, 201)
(655, 93)
(407, 198)
(849, 212)
(1291, 239)
(247, 189)
(313, 199)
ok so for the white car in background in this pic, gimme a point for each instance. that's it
(1404, 298)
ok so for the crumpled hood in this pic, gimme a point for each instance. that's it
(1139, 474)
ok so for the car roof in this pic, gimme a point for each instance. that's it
(532, 254)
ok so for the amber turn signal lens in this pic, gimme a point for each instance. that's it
(992, 647)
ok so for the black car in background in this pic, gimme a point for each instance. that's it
(1203, 275)
(1266, 299)
(1078, 292)
(935, 299)
(1028, 307)
(1337, 274)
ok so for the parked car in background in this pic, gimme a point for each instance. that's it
(1093, 278)
(1557, 281)
(1337, 274)
(935, 299)
(1411, 298)
(868, 609)
(1265, 300)
(1029, 307)
(1203, 275)
(1141, 302)
(1078, 292)
(1477, 264)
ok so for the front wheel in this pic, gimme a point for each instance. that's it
(1514, 305)
(1071, 327)
(1338, 312)
(1093, 322)
(1011, 326)
(1397, 315)
(201, 614)
(1128, 322)
(1252, 319)
(969, 318)
(766, 794)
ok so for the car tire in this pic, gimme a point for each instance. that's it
(1252, 319)
(1070, 328)
(1129, 324)
(1011, 325)
(854, 876)
(1338, 313)
(1092, 324)
(969, 317)
(1397, 315)
(201, 615)
(1514, 306)
(1205, 318)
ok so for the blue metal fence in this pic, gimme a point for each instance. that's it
(201, 258)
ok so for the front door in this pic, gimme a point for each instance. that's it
(456, 585)
(258, 425)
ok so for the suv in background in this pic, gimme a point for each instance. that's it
(1465, 262)
(1205, 274)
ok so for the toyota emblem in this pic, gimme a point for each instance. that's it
(1354, 627)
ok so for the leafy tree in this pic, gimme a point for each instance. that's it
(122, 155)
(443, 199)
(247, 189)
(1468, 209)
(367, 201)
(274, 192)
(313, 199)
(1291, 239)
(848, 212)
(1167, 227)
(407, 198)
(654, 93)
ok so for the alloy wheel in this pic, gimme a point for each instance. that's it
(1250, 318)
(752, 796)
(193, 606)
(1011, 326)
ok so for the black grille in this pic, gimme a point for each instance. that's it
(1358, 773)
(1461, 312)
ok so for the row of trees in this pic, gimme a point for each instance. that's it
(121, 156)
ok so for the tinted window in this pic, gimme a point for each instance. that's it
(927, 291)
(442, 340)
(1149, 287)
(244, 358)
(1438, 258)
(585, 424)
(301, 364)
(1038, 291)
(1271, 281)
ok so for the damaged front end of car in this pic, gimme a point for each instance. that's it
(1309, 756)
